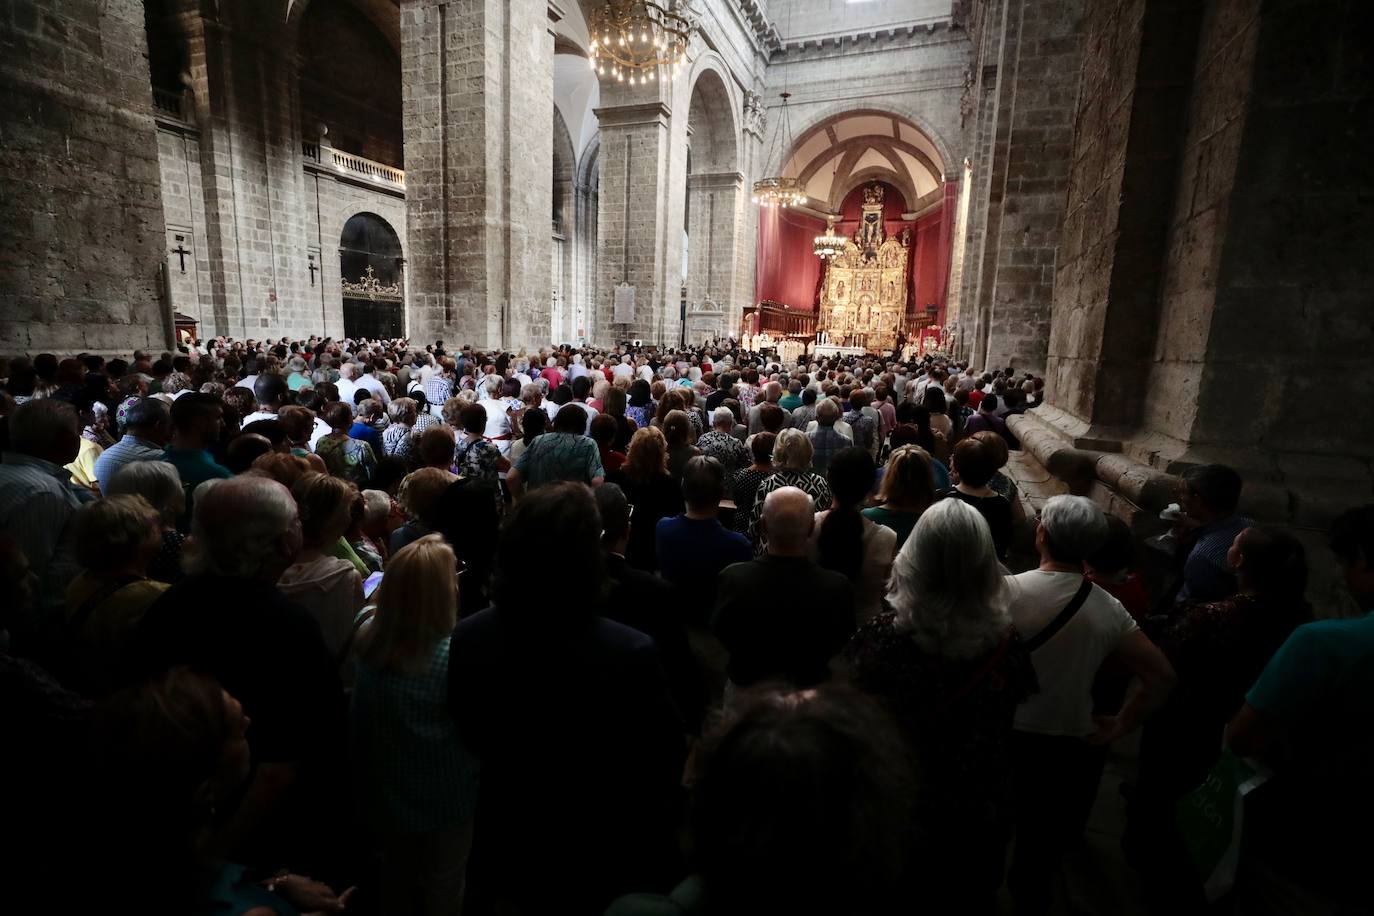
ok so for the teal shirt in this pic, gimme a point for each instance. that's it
(195, 466)
(790, 402)
(1319, 684)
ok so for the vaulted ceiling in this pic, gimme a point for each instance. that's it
(832, 158)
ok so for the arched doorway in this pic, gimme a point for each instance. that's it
(371, 266)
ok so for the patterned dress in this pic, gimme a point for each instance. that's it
(350, 459)
(397, 441)
(813, 485)
(478, 459)
(726, 449)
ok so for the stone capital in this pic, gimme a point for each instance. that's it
(716, 181)
(655, 113)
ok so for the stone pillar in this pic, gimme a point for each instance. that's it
(1038, 81)
(245, 91)
(635, 222)
(584, 246)
(81, 227)
(477, 91)
(717, 207)
(1258, 334)
(1132, 109)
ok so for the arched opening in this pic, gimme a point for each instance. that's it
(712, 207)
(837, 162)
(564, 162)
(350, 83)
(371, 266)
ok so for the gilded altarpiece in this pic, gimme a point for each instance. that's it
(863, 293)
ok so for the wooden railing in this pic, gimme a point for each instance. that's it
(349, 163)
(778, 320)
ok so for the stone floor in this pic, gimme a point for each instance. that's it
(1096, 879)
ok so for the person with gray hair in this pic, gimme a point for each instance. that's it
(947, 663)
(228, 619)
(720, 443)
(159, 483)
(781, 616)
(771, 394)
(147, 427)
(37, 499)
(826, 438)
(1070, 626)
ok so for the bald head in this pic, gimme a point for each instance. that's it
(788, 517)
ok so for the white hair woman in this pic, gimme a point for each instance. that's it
(948, 664)
(160, 484)
(400, 714)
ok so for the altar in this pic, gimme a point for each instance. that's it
(826, 351)
(864, 291)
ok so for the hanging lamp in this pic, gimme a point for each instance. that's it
(780, 190)
(829, 244)
(633, 39)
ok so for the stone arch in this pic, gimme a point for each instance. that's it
(867, 176)
(818, 118)
(372, 266)
(385, 15)
(711, 118)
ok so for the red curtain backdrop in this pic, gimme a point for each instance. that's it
(789, 272)
(787, 269)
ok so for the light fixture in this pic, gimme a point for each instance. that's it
(640, 35)
(830, 244)
(779, 190)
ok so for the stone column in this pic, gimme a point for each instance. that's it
(717, 207)
(81, 225)
(245, 91)
(477, 91)
(1040, 86)
(634, 222)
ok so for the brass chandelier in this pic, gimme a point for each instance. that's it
(632, 39)
(780, 190)
(828, 245)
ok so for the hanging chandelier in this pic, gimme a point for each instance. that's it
(632, 39)
(779, 190)
(830, 244)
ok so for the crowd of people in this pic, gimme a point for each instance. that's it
(623, 631)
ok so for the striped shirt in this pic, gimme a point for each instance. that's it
(37, 504)
(126, 451)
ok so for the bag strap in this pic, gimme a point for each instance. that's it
(1058, 623)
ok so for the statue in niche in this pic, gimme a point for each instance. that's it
(755, 115)
(839, 290)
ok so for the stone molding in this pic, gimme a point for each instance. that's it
(716, 181)
(655, 113)
(906, 36)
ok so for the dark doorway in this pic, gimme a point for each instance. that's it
(370, 264)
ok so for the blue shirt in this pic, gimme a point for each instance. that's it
(1206, 574)
(692, 552)
(368, 434)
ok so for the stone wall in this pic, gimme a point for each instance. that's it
(1038, 93)
(1133, 103)
(81, 228)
